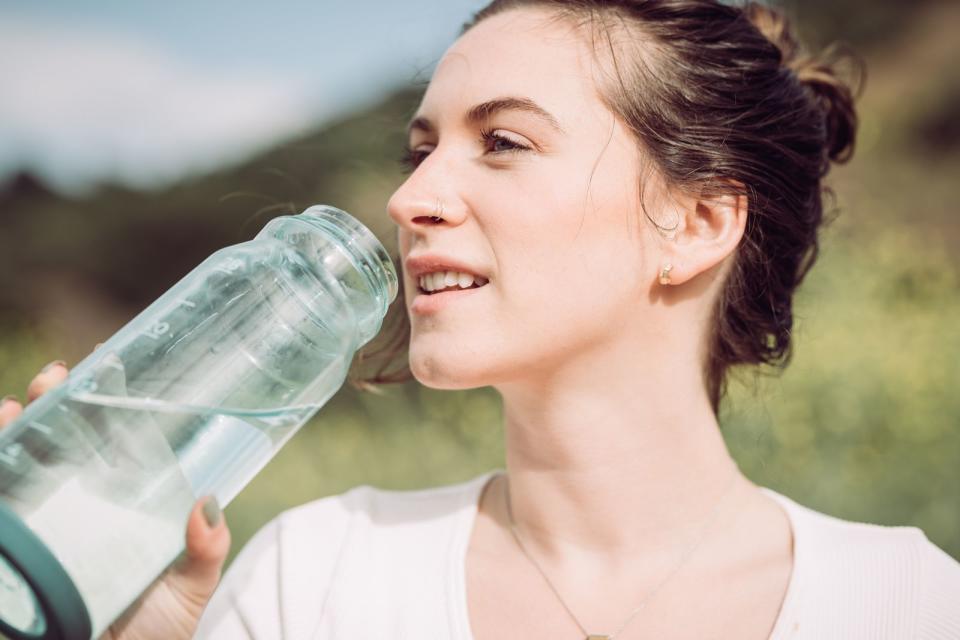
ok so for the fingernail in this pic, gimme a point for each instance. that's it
(9, 398)
(53, 364)
(211, 512)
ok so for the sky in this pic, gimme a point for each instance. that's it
(143, 93)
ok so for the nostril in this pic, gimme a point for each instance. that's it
(427, 220)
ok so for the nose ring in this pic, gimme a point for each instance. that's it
(439, 210)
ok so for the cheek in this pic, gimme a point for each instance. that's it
(572, 277)
(571, 235)
(592, 286)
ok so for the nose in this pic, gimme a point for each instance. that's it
(426, 199)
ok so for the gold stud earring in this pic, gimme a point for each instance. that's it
(665, 274)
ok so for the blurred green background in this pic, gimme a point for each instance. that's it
(864, 424)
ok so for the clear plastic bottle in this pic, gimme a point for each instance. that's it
(192, 397)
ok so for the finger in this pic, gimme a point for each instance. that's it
(196, 575)
(49, 377)
(10, 410)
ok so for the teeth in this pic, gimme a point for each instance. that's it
(444, 279)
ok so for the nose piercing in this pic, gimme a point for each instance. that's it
(665, 274)
(439, 209)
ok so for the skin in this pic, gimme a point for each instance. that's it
(597, 363)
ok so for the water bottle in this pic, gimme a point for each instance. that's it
(192, 397)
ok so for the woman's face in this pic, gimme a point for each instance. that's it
(539, 190)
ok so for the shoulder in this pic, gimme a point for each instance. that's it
(880, 580)
(300, 552)
(374, 513)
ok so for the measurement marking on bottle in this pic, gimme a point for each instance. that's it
(187, 303)
(39, 426)
(157, 330)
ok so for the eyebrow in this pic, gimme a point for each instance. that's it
(488, 109)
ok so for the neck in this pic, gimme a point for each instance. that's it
(613, 460)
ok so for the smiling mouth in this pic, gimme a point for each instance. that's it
(450, 288)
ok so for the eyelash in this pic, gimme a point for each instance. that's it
(411, 158)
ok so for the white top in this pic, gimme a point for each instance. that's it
(377, 564)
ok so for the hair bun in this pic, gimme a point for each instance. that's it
(819, 73)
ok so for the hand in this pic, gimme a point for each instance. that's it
(171, 607)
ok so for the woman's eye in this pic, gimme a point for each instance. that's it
(497, 143)
(492, 143)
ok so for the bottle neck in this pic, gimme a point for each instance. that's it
(349, 252)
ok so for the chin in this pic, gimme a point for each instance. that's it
(447, 370)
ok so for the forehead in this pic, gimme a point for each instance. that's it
(521, 52)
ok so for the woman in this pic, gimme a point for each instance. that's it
(631, 191)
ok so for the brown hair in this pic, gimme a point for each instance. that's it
(722, 99)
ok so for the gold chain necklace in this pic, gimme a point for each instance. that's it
(683, 559)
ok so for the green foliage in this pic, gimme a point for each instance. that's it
(864, 423)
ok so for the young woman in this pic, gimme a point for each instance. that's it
(610, 204)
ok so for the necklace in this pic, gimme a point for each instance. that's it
(683, 559)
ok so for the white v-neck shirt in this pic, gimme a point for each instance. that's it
(374, 564)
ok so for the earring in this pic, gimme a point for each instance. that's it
(665, 274)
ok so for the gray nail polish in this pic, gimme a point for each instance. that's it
(211, 512)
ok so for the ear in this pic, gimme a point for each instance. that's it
(707, 231)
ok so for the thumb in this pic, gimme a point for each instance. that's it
(197, 573)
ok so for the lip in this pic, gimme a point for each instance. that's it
(424, 304)
(429, 262)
